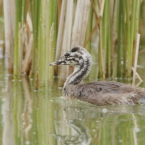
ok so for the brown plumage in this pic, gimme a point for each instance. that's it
(99, 93)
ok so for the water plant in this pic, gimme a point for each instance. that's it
(39, 32)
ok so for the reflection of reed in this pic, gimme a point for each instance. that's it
(81, 135)
(26, 116)
(114, 126)
(135, 130)
(44, 115)
(8, 124)
(77, 133)
(70, 122)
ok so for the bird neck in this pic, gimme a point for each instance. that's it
(80, 71)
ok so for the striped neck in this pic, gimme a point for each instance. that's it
(81, 71)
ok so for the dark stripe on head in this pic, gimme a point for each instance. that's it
(75, 49)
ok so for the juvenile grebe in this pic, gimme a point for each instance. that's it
(99, 93)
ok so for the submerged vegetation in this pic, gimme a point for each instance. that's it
(38, 32)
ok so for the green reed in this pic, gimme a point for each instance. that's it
(35, 18)
(38, 33)
(17, 48)
(132, 37)
(35, 39)
(47, 39)
(121, 50)
(120, 39)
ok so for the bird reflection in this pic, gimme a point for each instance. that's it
(82, 135)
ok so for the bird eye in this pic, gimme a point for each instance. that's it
(67, 54)
(74, 49)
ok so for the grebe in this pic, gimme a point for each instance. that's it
(98, 93)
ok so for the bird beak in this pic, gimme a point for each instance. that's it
(61, 61)
(58, 62)
(54, 63)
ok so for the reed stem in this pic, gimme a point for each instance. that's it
(132, 36)
(35, 35)
(9, 26)
(120, 39)
(109, 38)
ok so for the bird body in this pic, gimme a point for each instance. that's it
(98, 93)
(104, 93)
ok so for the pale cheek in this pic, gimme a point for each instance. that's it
(74, 63)
(77, 59)
(81, 61)
(67, 62)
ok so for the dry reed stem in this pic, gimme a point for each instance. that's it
(94, 9)
(29, 22)
(66, 39)
(85, 21)
(61, 30)
(28, 56)
(59, 9)
(27, 34)
(9, 18)
(93, 30)
(138, 76)
(61, 23)
(136, 58)
(25, 38)
(98, 19)
(80, 23)
(76, 31)
(99, 4)
(140, 80)
(68, 27)
(102, 8)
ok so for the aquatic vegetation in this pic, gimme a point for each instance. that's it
(38, 32)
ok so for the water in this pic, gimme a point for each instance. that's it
(30, 117)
